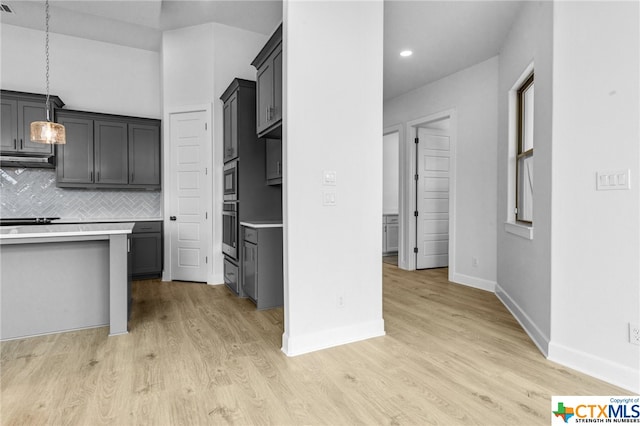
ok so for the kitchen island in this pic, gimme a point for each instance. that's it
(57, 278)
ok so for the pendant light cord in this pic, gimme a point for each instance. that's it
(46, 50)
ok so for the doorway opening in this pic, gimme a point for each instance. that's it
(433, 186)
(390, 196)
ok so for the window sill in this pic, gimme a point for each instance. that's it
(523, 231)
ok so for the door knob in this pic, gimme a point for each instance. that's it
(172, 218)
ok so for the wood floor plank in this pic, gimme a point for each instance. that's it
(196, 354)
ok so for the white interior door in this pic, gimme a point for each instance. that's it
(190, 222)
(432, 204)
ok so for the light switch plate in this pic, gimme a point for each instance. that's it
(610, 180)
(328, 198)
(329, 177)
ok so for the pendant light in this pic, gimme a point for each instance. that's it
(47, 132)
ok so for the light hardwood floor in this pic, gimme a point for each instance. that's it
(196, 354)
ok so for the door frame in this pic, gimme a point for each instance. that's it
(402, 226)
(410, 186)
(167, 191)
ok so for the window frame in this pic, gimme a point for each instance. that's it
(520, 154)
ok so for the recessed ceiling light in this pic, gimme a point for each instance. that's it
(406, 53)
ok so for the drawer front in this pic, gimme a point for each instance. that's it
(251, 235)
(231, 276)
(391, 219)
(147, 227)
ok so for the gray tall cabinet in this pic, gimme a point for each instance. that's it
(255, 199)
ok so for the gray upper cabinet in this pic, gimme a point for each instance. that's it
(108, 151)
(9, 129)
(75, 158)
(269, 87)
(18, 110)
(274, 161)
(111, 152)
(230, 139)
(144, 154)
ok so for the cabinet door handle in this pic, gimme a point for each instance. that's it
(266, 114)
(98, 177)
(15, 143)
(279, 168)
(21, 143)
(91, 176)
(132, 176)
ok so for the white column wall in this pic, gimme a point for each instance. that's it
(333, 121)
(596, 234)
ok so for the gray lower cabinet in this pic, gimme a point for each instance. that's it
(146, 250)
(232, 276)
(262, 278)
(390, 231)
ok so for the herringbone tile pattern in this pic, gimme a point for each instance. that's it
(33, 193)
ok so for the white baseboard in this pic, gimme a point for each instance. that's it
(474, 282)
(298, 345)
(536, 335)
(611, 372)
(216, 279)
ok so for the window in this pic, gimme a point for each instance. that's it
(524, 159)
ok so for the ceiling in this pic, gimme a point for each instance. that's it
(445, 36)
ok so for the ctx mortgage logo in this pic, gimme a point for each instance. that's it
(595, 409)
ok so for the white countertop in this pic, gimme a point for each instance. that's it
(64, 230)
(106, 220)
(262, 224)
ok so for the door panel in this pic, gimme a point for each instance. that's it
(8, 127)
(277, 85)
(111, 155)
(189, 232)
(433, 163)
(264, 96)
(75, 158)
(32, 111)
(250, 269)
(144, 154)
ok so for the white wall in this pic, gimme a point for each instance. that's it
(86, 74)
(596, 234)
(472, 93)
(333, 121)
(524, 265)
(198, 64)
(390, 172)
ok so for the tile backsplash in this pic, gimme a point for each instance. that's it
(33, 193)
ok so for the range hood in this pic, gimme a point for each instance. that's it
(32, 162)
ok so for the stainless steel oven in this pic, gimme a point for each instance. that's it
(230, 179)
(230, 229)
